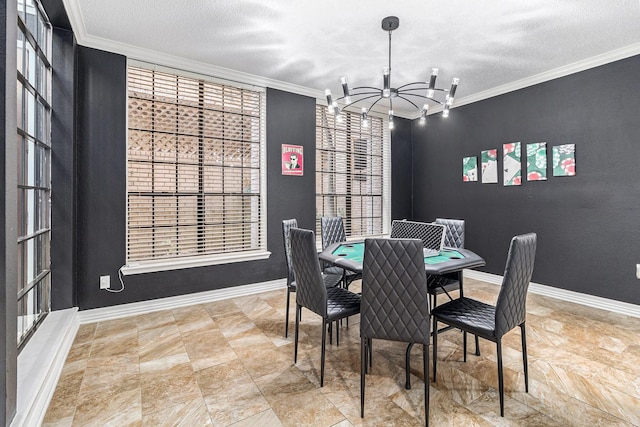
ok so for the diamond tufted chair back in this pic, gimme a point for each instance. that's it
(332, 230)
(454, 236)
(394, 291)
(311, 292)
(287, 225)
(395, 304)
(432, 235)
(511, 305)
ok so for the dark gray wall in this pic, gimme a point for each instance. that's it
(587, 225)
(101, 184)
(401, 172)
(8, 213)
(291, 119)
(100, 178)
(63, 218)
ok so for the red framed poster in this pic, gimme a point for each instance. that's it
(292, 160)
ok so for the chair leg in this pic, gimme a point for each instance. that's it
(324, 347)
(363, 368)
(464, 345)
(425, 369)
(407, 368)
(370, 353)
(524, 357)
(295, 351)
(435, 347)
(331, 333)
(338, 334)
(500, 378)
(477, 346)
(286, 321)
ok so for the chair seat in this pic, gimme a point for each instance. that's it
(341, 303)
(471, 315)
(437, 285)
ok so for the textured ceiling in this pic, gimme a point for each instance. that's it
(487, 44)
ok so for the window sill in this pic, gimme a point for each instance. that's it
(201, 261)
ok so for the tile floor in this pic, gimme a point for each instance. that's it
(228, 363)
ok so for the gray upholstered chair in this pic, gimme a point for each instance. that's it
(432, 235)
(493, 322)
(331, 304)
(332, 231)
(329, 280)
(454, 235)
(395, 304)
(453, 238)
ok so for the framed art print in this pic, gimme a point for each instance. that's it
(470, 169)
(537, 161)
(564, 160)
(292, 160)
(511, 166)
(490, 166)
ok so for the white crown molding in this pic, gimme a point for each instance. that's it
(585, 64)
(137, 308)
(564, 295)
(40, 364)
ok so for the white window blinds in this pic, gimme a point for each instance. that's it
(350, 176)
(194, 167)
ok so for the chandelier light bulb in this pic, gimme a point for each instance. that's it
(365, 119)
(423, 114)
(445, 111)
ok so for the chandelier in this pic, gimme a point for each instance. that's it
(415, 93)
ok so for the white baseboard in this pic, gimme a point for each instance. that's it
(136, 308)
(40, 364)
(565, 295)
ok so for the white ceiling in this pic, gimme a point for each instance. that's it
(493, 45)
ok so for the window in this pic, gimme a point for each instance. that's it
(352, 172)
(34, 166)
(195, 162)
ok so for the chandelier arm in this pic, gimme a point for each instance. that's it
(363, 99)
(367, 87)
(368, 95)
(421, 97)
(410, 102)
(421, 88)
(414, 83)
(372, 105)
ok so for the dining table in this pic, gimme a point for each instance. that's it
(350, 255)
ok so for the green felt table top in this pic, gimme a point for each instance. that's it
(355, 252)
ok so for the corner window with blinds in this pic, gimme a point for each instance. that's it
(194, 158)
(351, 172)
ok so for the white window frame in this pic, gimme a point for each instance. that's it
(167, 264)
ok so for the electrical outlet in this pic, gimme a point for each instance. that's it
(105, 282)
(638, 271)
